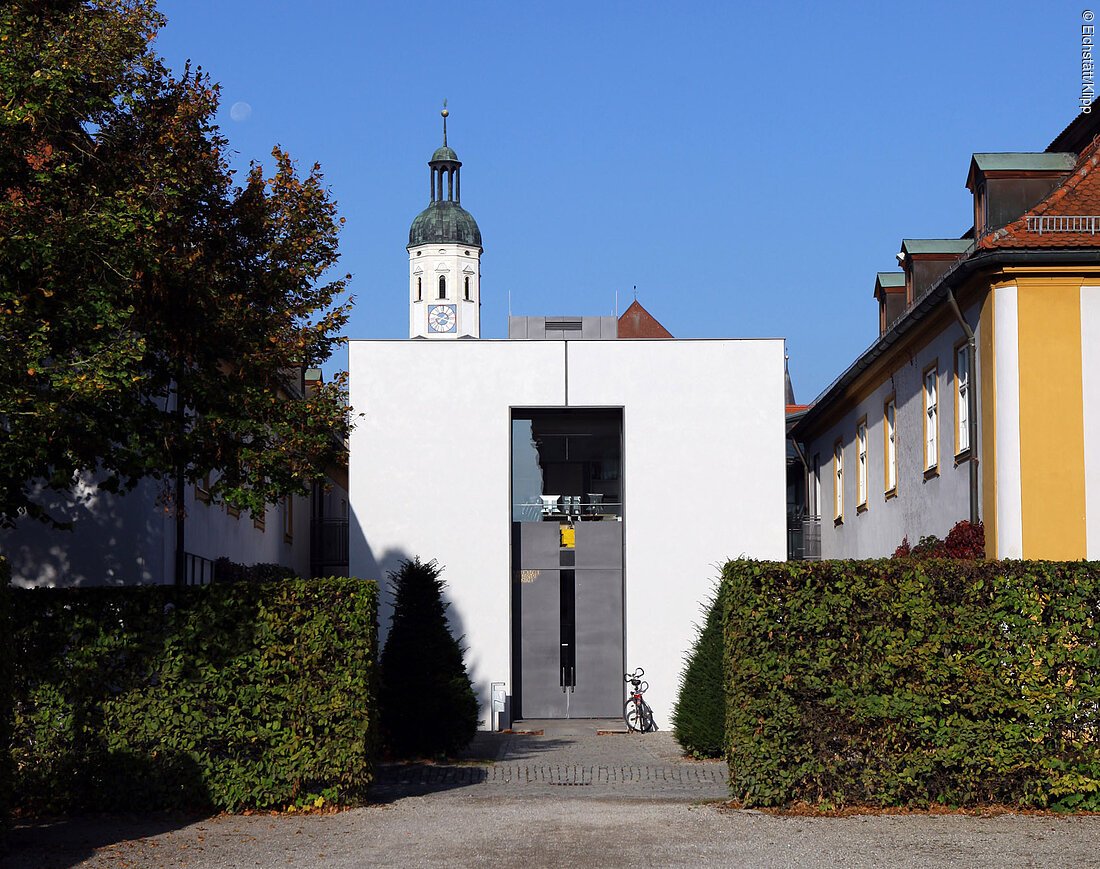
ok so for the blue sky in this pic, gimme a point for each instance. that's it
(748, 166)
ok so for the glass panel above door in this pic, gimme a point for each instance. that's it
(567, 465)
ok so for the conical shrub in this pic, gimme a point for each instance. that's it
(427, 702)
(699, 718)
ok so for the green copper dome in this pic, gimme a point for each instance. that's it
(444, 153)
(444, 221)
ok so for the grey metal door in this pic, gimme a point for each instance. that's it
(597, 689)
(540, 680)
(568, 620)
(598, 681)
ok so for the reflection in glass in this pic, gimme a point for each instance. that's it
(566, 465)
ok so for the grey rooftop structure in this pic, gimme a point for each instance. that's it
(563, 328)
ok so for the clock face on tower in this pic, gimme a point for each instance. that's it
(442, 318)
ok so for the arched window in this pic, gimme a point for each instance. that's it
(467, 289)
(442, 286)
(419, 289)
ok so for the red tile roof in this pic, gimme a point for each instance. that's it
(1077, 196)
(637, 322)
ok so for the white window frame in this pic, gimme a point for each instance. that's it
(861, 464)
(202, 489)
(890, 445)
(931, 390)
(962, 398)
(838, 481)
(815, 485)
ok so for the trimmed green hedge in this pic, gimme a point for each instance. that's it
(699, 717)
(231, 697)
(913, 682)
(427, 704)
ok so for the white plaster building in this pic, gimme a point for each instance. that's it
(580, 494)
(980, 399)
(130, 539)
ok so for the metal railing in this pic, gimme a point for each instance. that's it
(328, 547)
(555, 507)
(1081, 223)
(811, 538)
(803, 537)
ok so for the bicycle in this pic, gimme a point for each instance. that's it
(636, 712)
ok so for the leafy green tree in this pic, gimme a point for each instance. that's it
(427, 703)
(153, 313)
(699, 718)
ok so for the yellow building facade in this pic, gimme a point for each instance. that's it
(1040, 410)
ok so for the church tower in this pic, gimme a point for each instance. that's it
(444, 257)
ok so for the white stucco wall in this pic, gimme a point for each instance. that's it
(131, 539)
(922, 505)
(1090, 396)
(704, 476)
(1006, 333)
(212, 532)
(114, 540)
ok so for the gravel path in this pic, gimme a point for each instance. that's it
(569, 798)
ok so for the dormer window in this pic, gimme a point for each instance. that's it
(1005, 186)
(981, 210)
(890, 293)
(926, 260)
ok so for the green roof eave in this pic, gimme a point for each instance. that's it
(1045, 161)
(936, 245)
(890, 279)
(1041, 162)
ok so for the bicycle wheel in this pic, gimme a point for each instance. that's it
(634, 717)
(649, 725)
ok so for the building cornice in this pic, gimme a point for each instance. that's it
(928, 304)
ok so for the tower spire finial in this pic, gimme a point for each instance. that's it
(444, 113)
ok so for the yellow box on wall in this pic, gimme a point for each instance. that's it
(568, 537)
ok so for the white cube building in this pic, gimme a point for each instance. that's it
(581, 495)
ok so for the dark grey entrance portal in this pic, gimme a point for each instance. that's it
(567, 544)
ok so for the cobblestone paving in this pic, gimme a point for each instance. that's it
(627, 765)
